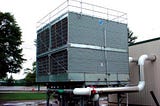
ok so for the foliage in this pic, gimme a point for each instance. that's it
(31, 74)
(10, 41)
(10, 81)
(30, 78)
(131, 37)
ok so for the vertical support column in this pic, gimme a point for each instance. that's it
(105, 45)
(50, 45)
(63, 100)
(81, 6)
(126, 99)
(118, 99)
(67, 5)
(38, 87)
(96, 103)
(107, 14)
(60, 99)
(49, 67)
(48, 97)
(82, 101)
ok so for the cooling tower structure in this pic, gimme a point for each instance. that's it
(79, 47)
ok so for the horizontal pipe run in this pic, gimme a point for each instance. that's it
(131, 59)
(60, 90)
(126, 89)
(87, 91)
(139, 87)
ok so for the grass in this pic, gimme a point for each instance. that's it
(22, 96)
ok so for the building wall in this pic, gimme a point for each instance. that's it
(152, 72)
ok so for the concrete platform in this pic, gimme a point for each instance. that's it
(27, 103)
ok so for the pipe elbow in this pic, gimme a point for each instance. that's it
(138, 88)
(142, 59)
(141, 85)
(130, 59)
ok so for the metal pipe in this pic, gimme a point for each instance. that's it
(139, 87)
(131, 59)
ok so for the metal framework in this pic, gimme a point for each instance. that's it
(59, 33)
(59, 63)
(83, 8)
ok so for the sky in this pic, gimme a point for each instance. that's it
(143, 19)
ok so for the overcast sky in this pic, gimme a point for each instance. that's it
(143, 19)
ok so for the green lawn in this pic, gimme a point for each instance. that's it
(22, 96)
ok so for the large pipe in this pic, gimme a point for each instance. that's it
(139, 87)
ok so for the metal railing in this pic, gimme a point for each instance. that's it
(85, 9)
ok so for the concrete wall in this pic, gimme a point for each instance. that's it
(152, 72)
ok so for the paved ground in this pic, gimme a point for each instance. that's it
(12, 89)
(20, 88)
(26, 103)
(38, 103)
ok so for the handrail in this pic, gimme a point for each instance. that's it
(83, 8)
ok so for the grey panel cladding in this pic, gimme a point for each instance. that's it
(116, 35)
(90, 30)
(81, 45)
(117, 62)
(93, 61)
(85, 30)
(85, 60)
(85, 36)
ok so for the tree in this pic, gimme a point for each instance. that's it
(131, 37)
(10, 81)
(31, 74)
(11, 56)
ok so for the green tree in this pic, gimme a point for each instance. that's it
(10, 81)
(31, 74)
(11, 56)
(131, 37)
